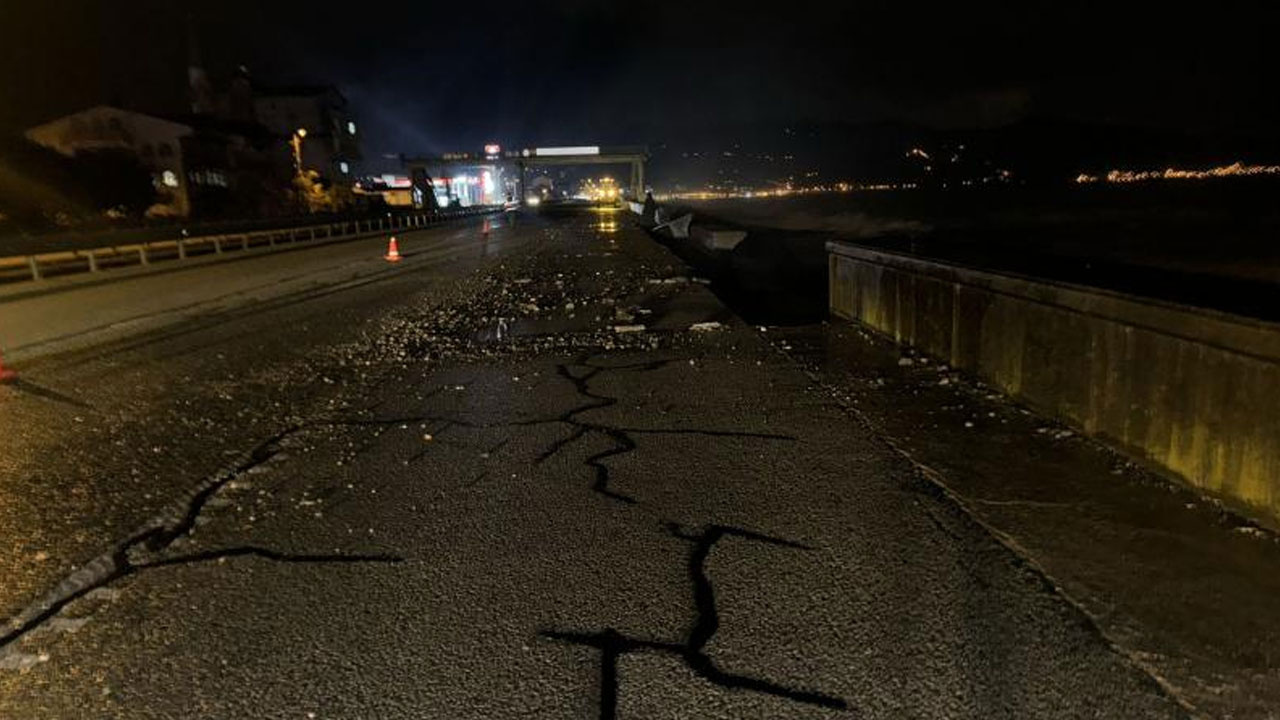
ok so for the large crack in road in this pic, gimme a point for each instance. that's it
(144, 549)
(613, 645)
(456, 336)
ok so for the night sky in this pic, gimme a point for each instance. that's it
(435, 76)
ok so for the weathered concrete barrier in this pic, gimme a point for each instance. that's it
(714, 238)
(1193, 391)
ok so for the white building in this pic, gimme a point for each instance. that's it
(156, 142)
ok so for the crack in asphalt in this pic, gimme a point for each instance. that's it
(613, 645)
(142, 551)
(268, 554)
(942, 526)
(158, 535)
(622, 439)
(50, 394)
(620, 436)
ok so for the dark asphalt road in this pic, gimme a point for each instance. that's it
(419, 497)
(99, 440)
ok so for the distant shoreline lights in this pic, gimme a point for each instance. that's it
(760, 194)
(1129, 176)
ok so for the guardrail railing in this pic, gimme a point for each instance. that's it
(22, 268)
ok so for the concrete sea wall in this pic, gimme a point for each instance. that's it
(1192, 391)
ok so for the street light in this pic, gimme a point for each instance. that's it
(296, 141)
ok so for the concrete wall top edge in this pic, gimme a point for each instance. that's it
(1236, 333)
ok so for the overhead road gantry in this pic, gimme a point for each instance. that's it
(447, 164)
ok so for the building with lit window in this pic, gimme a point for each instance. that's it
(331, 144)
(232, 154)
(201, 165)
(157, 142)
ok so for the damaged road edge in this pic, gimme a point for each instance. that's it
(153, 536)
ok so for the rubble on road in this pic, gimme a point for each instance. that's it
(530, 305)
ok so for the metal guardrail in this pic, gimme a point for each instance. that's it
(22, 268)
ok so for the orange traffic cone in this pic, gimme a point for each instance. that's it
(7, 376)
(393, 250)
(485, 230)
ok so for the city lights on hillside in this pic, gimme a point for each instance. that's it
(1129, 176)
(779, 192)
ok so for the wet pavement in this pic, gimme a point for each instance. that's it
(552, 477)
(1183, 585)
(101, 439)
